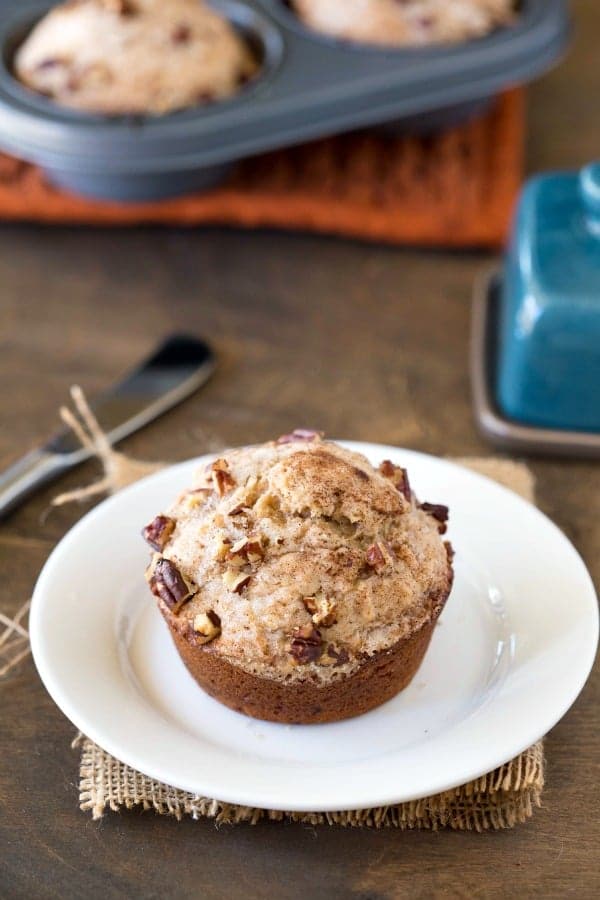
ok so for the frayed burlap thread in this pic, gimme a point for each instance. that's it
(14, 640)
(501, 799)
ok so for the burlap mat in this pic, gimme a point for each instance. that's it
(454, 189)
(501, 799)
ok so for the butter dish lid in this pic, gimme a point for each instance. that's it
(548, 340)
(502, 432)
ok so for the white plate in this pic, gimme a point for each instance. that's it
(512, 650)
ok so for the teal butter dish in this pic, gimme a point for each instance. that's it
(548, 340)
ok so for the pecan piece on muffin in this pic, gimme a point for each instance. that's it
(307, 585)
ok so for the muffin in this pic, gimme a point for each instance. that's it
(407, 22)
(299, 583)
(134, 56)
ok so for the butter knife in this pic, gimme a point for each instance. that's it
(176, 369)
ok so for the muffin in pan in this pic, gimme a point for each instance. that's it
(405, 22)
(143, 57)
(299, 583)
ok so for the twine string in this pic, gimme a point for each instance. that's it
(118, 471)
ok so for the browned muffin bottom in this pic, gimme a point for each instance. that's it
(299, 583)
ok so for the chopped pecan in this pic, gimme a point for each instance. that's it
(246, 550)
(334, 656)
(449, 551)
(404, 486)
(267, 506)
(438, 512)
(158, 532)
(387, 468)
(322, 610)
(222, 479)
(197, 497)
(252, 489)
(235, 581)
(167, 582)
(399, 477)
(120, 7)
(238, 510)
(300, 434)
(207, 626)
(181, 34)
(205, 96)
(379, 555)
(375, 557)
(306, 644)
(425, 22)
(223, 548)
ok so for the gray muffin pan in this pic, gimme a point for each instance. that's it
(309, 86)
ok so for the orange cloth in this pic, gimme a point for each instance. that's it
(455, 189)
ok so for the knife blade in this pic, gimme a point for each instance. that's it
(176, 368)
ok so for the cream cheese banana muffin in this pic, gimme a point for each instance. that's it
(134, 56)
(405, 22)
(300, 583)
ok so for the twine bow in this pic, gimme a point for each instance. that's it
(119, 469)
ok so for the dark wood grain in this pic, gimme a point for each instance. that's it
(365, 342)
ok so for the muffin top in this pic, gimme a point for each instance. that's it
(134, 56)
(297, 559)
(408, 22)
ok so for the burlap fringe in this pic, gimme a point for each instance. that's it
(502, 799)
(14, 640)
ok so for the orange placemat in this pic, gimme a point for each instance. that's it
(455, 189)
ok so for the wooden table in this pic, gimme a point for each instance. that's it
(366, 342)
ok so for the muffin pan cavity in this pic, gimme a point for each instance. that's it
(308, 86)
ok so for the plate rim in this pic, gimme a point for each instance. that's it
(251, 798)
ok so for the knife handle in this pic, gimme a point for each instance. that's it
(28, 474)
